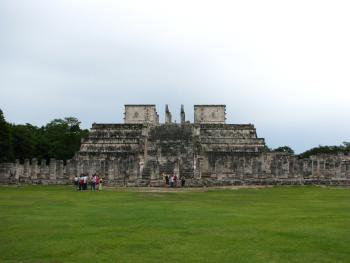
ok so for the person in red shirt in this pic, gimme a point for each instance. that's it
(97, 181)
(81, 182)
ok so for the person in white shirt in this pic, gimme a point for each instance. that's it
(76, 182)
(85, 178)
(172, 181)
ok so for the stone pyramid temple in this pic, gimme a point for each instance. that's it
(208, 152)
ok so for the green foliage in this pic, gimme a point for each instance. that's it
(23, 141)
(344, 148)
(267, 148)
(285, 149)
(6, 153)
(59, 139)
(279, 224)
(63, 137)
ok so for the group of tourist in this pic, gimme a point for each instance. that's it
(82, 182)
(94, 182)
(172, 181)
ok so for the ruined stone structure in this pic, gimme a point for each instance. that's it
(206, 152)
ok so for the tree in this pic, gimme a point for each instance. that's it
(267, 148)
(285, 149)
(58, 139)
(6, 153)
(23, 143)
(334, 149)
(64, 137)
(346, 146)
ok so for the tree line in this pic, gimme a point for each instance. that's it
(344, 148)
(58, 139)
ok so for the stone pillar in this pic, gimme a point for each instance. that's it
(154, 171)
(141, 167)
(26, 168)
(52, 170)
(18, 170)
(60, 165)
(110, 170)
(79, 166)
(44, 172)
(34, 169)
(69, 174)
(177, 168)
(131, 169)
(72, 169)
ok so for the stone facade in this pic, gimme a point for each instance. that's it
(213, 114)
(206, 152)
(141, 113)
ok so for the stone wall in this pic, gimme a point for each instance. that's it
(212, 169)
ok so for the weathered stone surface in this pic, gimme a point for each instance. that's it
(141, 113)
(215, 114)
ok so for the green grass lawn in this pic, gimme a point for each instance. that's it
(282, 224)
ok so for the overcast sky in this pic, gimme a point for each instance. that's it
(282, 65)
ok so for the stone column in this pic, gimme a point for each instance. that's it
(34, 169)
(18, 170)
(68, 173)
(110, 170)
(154, 172)
(79, 166)
(72, 169)
(52, 170)
(141, 167)
(44, 173)
(26, 169)
(60, 169)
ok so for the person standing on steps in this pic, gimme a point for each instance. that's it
(172, 181)
(81, 182)
(166, 181)
(100, 185)
(97, 182)
(93, 184)
(76, 182)
(183, 181)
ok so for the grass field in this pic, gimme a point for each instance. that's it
(282, 224)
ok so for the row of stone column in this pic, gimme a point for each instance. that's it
(128, 169)
(32, 170)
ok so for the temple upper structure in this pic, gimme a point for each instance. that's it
(167, 114)
(182, 114)
(214, 114)
(141, 113)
